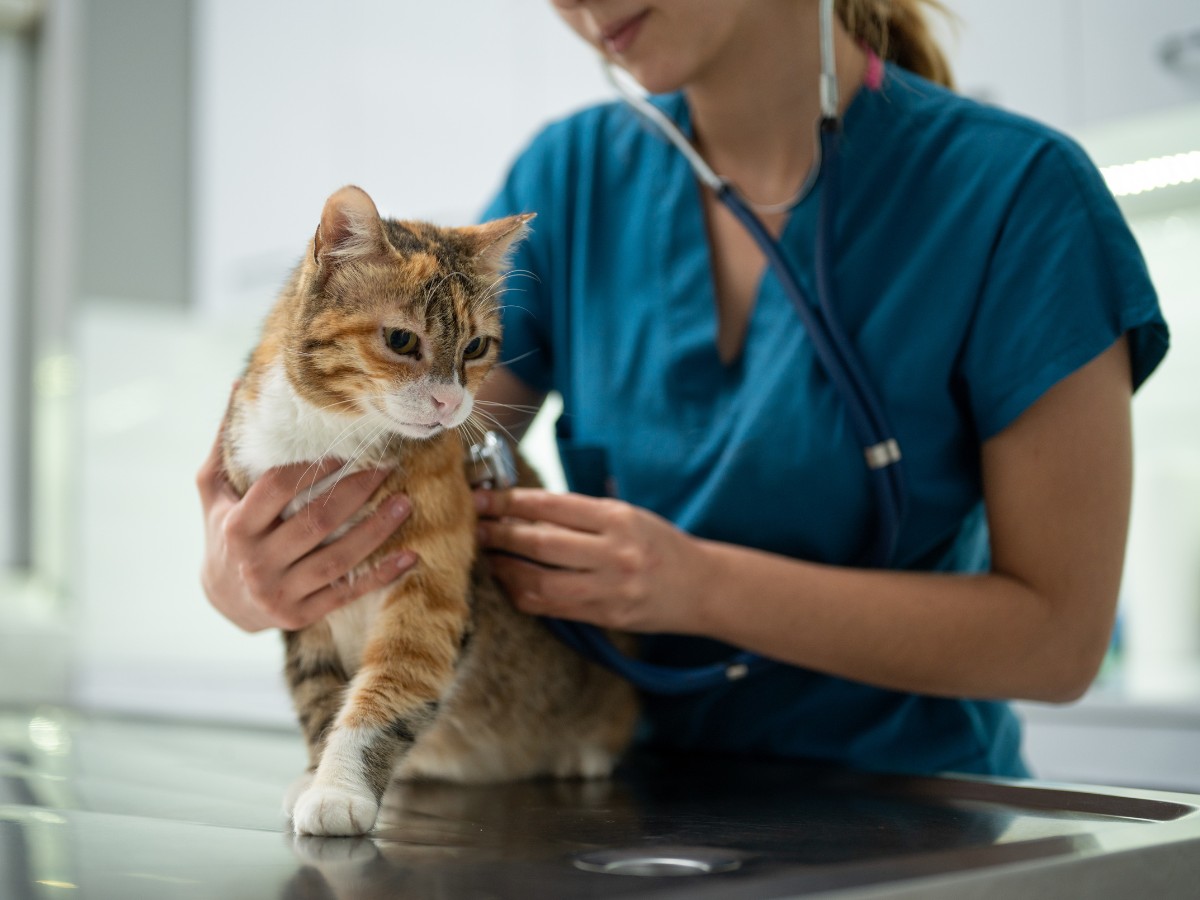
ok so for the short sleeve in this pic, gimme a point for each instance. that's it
(1065, 280)
(526, 308)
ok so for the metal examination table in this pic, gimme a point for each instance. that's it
(94, 806)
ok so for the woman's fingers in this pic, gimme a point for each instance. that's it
(576, 511)
(547, 544)
(314, 522)
(545, 592)
(345, 589)
(269, 496)
(594, 560)
(332, 564)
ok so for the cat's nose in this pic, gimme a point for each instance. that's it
(446, 400)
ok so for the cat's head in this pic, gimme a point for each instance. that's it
(397, 321)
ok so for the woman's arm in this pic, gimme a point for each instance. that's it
(1057, 488)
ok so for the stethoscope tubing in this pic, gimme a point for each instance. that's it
(889, 482)
(832, 346)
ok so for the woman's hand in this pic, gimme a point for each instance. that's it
(594, 560)
(260, 571)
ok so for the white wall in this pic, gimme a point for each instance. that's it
(421, 104)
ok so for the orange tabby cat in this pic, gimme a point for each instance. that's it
(373, 354)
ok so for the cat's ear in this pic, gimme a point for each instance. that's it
(350, 228)
(492, 242)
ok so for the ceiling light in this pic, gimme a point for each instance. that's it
(1152, 174)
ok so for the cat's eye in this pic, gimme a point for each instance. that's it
(476, 348)
(401, 341)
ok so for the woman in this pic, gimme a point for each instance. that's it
(997, 300)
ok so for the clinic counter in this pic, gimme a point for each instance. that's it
(101, 806)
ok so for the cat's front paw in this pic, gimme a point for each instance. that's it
(334, 812)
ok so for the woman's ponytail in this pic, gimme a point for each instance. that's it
(897, 30)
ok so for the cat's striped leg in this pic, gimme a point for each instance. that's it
(408, 665)
(317, 681)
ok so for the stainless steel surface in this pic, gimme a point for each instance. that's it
(107, 807)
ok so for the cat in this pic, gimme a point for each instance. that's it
(373, 353)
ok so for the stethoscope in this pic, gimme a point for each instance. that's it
(881, 450)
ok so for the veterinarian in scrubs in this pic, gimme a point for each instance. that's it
(720, 501)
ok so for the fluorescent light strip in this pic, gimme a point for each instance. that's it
(1152, 174)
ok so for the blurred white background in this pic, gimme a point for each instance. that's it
(162, 163)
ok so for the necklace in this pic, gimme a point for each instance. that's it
(801, 192)
(783, 206)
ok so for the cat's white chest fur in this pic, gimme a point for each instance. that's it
(350, 626)
(280, 428)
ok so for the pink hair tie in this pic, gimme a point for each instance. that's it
(874, 76)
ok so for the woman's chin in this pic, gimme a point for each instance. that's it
(653, 77)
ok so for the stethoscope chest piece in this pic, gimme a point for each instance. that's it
(490, 464)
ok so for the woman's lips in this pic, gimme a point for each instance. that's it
(619, 37)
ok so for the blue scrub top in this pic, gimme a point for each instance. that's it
(979, 259)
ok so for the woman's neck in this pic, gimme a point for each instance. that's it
(754, 116)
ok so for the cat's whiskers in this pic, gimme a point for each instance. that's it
(478, 427)
(470, 427)
(354, 424)
(494, 291)
(516, 407)
(328, 454)
(466, 432)
(388, 444)
(525, 309)
(433, 288)
(515, 359)
(523, 273)
(364, 445)
(349, 466)
(351, 402)
(500, 286)
(489, 418)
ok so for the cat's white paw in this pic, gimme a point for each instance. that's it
(334, 812)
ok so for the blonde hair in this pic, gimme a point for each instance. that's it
(898, 30)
